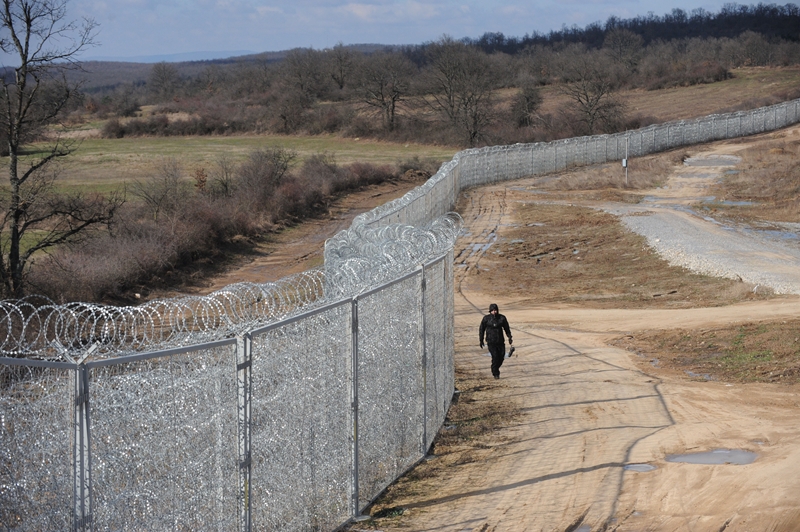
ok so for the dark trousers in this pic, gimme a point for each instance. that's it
(498, 352)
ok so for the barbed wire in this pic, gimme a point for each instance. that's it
(363, 258)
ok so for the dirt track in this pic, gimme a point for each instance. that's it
(589, 409)
(586, 410)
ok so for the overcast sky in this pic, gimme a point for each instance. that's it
(136, 28)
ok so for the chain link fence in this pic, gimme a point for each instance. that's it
(482, 166)
(277, 406)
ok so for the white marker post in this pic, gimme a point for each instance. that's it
(625, 161)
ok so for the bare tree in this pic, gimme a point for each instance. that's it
(525, 105)
(384, 82)
(624, 47)
(163, 189)
(341, 62)
(222, 176)
(164, 80)
(461, 80)
(262, 172)
(589, 83)
(45, 45)
(304, 69)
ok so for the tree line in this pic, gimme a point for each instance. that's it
(458, 92)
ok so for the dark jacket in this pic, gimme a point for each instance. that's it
(492, 327)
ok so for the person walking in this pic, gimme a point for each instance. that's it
(492, 327)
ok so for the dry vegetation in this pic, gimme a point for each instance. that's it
(769, 177)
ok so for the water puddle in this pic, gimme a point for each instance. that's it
(640, 468)
(712, 160)
(730, 203)
(715, 457)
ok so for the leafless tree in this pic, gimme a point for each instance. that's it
(304, 69)
(341, 62)
(262, 172)
(223, 176)
(164, 80)
(163, 189)
(624, 47)
(525, 105)
(384, 82)
(589, 83)
(45, 45)
(461, 80)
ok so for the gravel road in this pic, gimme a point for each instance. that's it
(764, 257)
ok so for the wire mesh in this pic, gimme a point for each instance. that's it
(164, 443)
(302, 423)
(34, 327)
(439, 370)
(390, 386)
(35, 448)
(167, 432)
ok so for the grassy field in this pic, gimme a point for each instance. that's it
(104, 164)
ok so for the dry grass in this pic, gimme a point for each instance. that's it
(753, 352)
(105, 164)
(768, 176)
(749, 88)
(643, 173)
(580, 255)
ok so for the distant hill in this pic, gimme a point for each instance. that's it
(171, 58)
(104, 74)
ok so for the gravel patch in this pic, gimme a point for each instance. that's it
(708, 247)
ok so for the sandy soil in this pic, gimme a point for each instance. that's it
(584, 410)
(588, 410)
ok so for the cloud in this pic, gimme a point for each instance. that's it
(396, 11)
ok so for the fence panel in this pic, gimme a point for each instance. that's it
(164, 442)
(390, 385)
(439, 369)
(302, 423)
(36, 475)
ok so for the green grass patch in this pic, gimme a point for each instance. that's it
(103, 164)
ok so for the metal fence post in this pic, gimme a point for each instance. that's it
(244, 382)
(82, 463)
(424, 347)
(354, 401)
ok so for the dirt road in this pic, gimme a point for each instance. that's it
(593, 415)
(595, 424)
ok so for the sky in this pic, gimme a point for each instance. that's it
(142, 28)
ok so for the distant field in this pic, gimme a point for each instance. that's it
(749, 87)
(104, 164)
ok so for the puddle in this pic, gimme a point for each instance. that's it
(584, 528)
(712, 160)
(704, 376)
(731, 203)
(781, 235)
(715, 457)
(640, 468)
